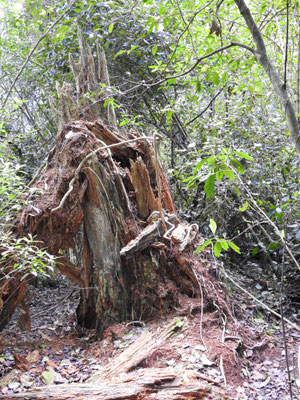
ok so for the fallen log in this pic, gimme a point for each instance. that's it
(161, 383)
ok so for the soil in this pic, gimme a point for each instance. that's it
(244, 356)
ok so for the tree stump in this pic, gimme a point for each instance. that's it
(137, 257)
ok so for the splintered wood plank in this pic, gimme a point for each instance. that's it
(167, 200)
(143, 240)
(129, 358)
(146, 201)
(134, 354)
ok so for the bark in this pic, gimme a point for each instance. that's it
(12, 292)
(279, 88)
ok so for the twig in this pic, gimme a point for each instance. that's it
(254, 347)
(222, 370)
(201, 308)
(56, 305)
(224, 329)
(249, 228)
(187, 26)
(286, 43)
(156, 142)
(208, 379)
(206, 108)
(183, 32)
(298, 361)
(298, 76)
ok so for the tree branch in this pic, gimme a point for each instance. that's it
(197, 62)
(206, 108)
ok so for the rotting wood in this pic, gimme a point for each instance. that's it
(184, 235)
(160, 384)
(146, 201)
(70, 270)
(143, 240)
(88, 78)
(165, 383)
(134, 354)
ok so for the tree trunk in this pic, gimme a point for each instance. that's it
(279, 86)
(136, 258)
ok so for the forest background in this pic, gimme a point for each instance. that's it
(200, 74)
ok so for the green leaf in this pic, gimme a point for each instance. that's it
(223, 243)
(273, 245)
(110, 28)
(211, 160)
(198, 86)
(244, 206)
(200, 164)
(204, 245)
(154, 50)
(217, 249)
(224, 77)
(282, 234)
(229, 174)
(234, 247)
(243, 155)
(237, 165)
(120, 52)
(216, 78)
(219, 175)
(212, 225)
(209, 187)
(237, 190)
(179, 323)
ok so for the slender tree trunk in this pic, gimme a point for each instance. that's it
(277, 83)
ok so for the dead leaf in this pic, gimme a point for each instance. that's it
(45, 337)
(51, 364)
(258, 376)
(21, 362)
(215, 28)
(33, 357)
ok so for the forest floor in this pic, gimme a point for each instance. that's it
(248, 363)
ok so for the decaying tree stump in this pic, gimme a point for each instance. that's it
(136, 253)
